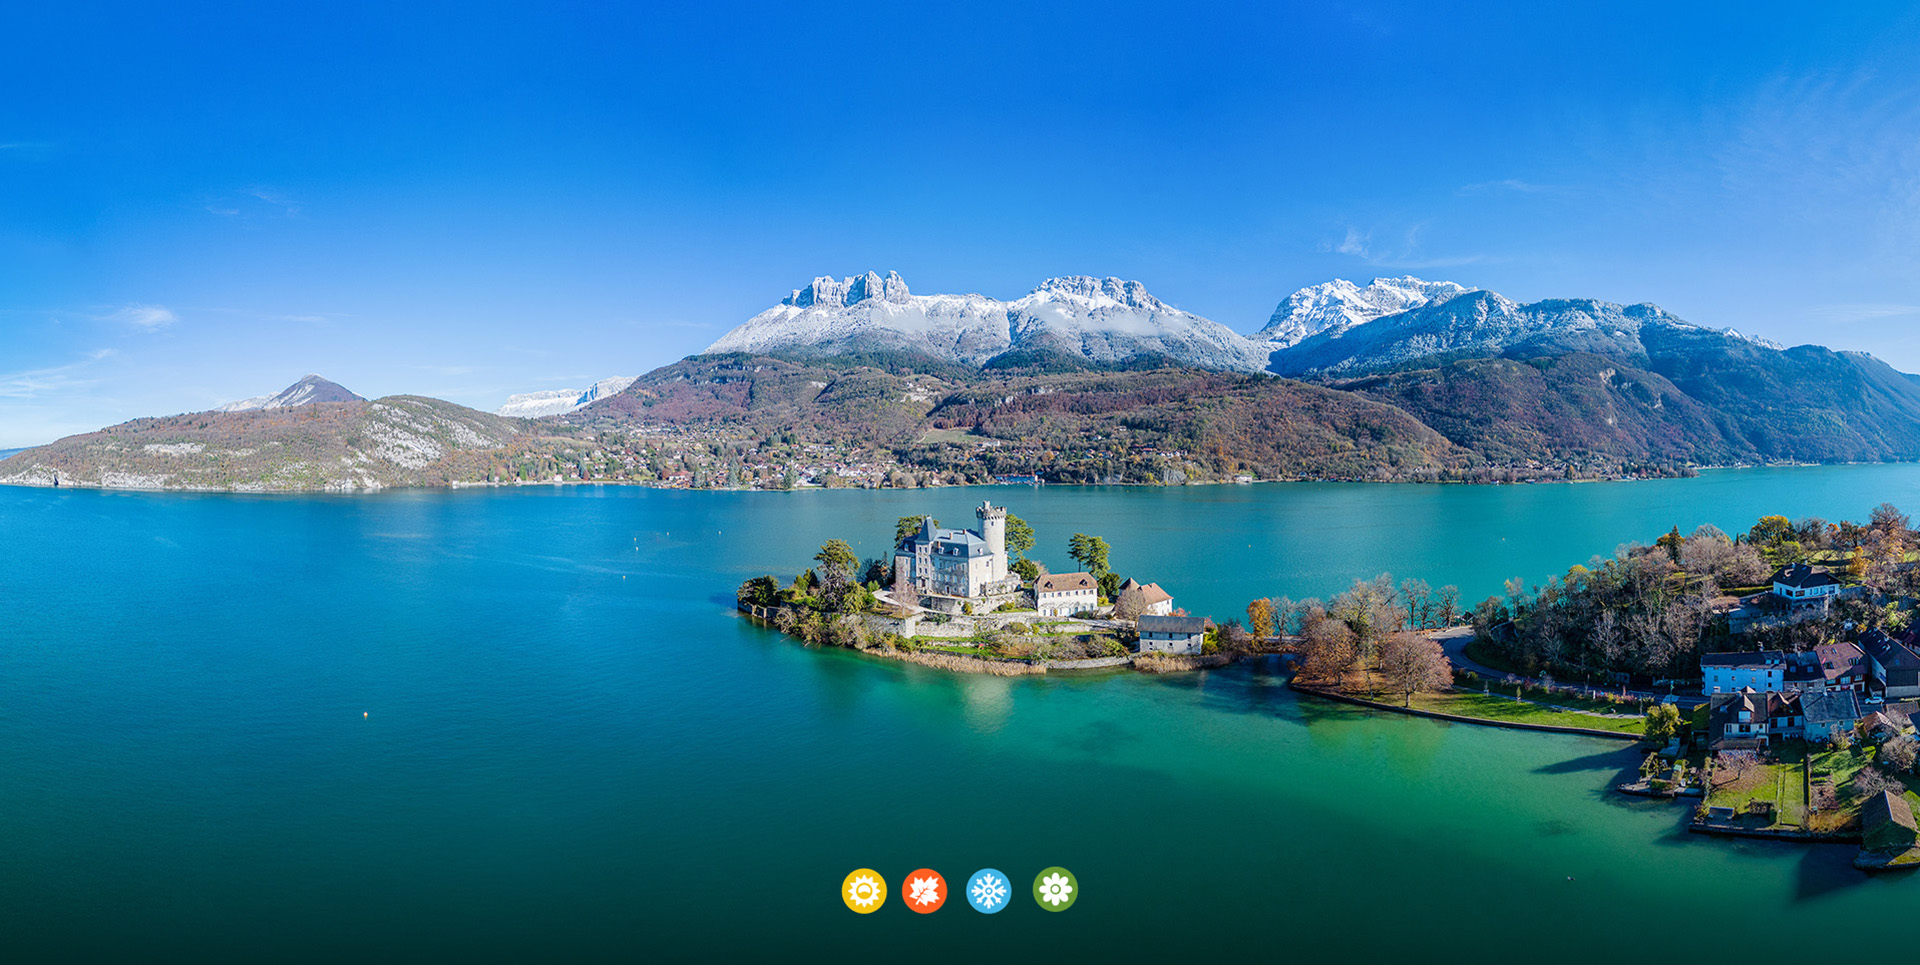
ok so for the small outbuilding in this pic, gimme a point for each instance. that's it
(1180, 635)
(1886, 824)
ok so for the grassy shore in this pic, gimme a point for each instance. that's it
(1485, 707)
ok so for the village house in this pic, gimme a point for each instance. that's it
(1065, 594)
(1832, 666)
(1750, 720)
(1802, 584)
(1731, 673)
(1178, 635)
(1892, 664)
(1830, 713)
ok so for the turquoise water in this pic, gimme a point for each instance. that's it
(525, 724)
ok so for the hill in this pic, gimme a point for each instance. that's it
(335, 446)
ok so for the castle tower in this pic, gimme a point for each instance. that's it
(993, 529)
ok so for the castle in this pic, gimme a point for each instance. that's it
(961, 563)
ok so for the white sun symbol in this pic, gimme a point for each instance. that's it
(864, 891)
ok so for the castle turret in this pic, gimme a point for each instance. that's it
(993, 529)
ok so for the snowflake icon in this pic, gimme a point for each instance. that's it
(1055, 889)
(987, 891)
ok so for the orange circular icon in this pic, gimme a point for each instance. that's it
(924, 891)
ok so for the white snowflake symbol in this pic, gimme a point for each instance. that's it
(926, 891)
(1054, 889)
(864, 891)
(989, 890)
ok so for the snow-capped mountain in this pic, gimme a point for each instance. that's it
(531, 405)
(1101, 320)
(1340, 304)
(1483, 324)
(308, 390)
(1337, 328)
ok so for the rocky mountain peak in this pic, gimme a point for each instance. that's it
(826, 292)
(1131, 294)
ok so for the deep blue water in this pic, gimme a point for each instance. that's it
(525, 724)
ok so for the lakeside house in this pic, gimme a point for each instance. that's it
(1887, 825)
(960, 564)
(1832, 666)
(1176, 635)
(1750, 720)
(1800, 584)
(1065, 594)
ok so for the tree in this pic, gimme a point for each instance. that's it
(1872, 780)
(1652, 765)
(1110, 585)
(1019, 535)
(837, 566)
(1888, 520)
(1260, 618)
(1417, 597)
(1899, 753)
(1448, 605)
(907, 526)
(878, 571)
(1326, 648)
(1663, 723)
(1128, 605)
(1672, 543)
(759, 591)
(1770, 532)
(1028, 569)
(1090, 551)
(1411, 663)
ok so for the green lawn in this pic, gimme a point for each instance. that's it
(1505, 709)
(1559, 698)
(1780, 784)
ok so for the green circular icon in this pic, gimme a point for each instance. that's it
(1055, 889)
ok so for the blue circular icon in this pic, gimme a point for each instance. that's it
(988, 891)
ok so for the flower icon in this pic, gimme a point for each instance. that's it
(987, 891)
(1055, 889)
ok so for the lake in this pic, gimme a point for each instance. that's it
(526, 724)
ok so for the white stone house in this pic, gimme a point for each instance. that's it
(1160, 634)
(1801, 583)
(1065, 594)
(1144, 599)
(1731, 673)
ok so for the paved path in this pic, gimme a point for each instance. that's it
(1455, 639)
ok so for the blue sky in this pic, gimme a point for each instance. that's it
(204, 202)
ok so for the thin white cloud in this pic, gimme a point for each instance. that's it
(1406, 253)
(1506, 184)
(1842, 314)
(145, 317)
(35, 382)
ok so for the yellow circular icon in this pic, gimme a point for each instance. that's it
(864, 891)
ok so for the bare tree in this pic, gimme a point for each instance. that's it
(1411, 663)
(1326, 648)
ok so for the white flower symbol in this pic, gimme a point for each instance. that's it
(1054, 889)
(864, 891)
(926, 891)
(989, 890)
